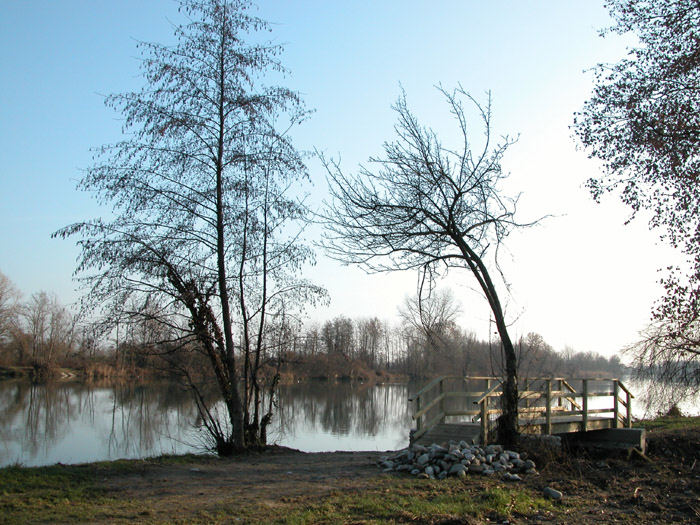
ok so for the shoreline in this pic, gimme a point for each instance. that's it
(281, 485)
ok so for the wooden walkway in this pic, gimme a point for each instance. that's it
(456, 408)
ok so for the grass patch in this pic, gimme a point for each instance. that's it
(421, 501)
(670, 423)
(57, 493)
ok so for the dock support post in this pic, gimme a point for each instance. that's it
(616, 403)
(548, 413)
(585, 405)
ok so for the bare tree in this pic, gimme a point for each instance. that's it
(432, 208)
(48, 328)
(204, 226)
(9, 297)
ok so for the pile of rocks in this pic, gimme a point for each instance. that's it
(458, 459)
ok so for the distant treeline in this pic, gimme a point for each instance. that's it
(412, 351)
(41, 335)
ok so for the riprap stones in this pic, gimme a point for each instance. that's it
(458, 459)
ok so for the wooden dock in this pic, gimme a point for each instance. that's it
(456, 408)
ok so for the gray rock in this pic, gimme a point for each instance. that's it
(488, 471)
(415, 472)
(424, 459)
(456, 469)
(529, 464)
(404, 468)
(512, 455)
(490, 458)
(476, 468)
(511, 477)
(531, 472)
(551, 493)
(462, 474)
(451, 458)
(463, 444)
(420, 449)
(442, 475)
(387, 465)
(430, 471)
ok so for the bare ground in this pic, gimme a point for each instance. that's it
(663, 488)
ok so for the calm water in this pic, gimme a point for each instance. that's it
(75, 423)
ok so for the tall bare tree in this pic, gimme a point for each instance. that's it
(430, 207)
(203, 225)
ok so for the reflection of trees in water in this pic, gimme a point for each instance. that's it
(341, 409)
(143, 414)
(37, 417)
(136, 420)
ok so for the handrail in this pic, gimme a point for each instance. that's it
(552, 411)
(426, 388)
(571, 400)
(488, 393)
(427, 407)
(624, 388)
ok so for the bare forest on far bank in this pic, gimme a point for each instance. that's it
(39, 337)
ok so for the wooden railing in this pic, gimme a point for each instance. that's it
(544, 402)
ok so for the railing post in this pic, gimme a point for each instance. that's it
(527, 396)
(418, 419)
(484, 422)
(585, 405)
(442, 402)
(616, 403)
(629, 410)
(548, 413)
(560, 402)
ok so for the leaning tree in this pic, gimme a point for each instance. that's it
(643, 123)
(202, 238)
(432, 208)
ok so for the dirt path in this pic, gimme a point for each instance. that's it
(266, 478)
(665, 488)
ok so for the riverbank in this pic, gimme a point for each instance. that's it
(313, 368)
(281, 485)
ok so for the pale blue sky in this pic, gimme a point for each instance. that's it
(581, 279)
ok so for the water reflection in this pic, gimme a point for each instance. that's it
(73, 423)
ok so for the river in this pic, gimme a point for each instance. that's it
(76, 423)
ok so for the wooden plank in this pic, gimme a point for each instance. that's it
(462, 413)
